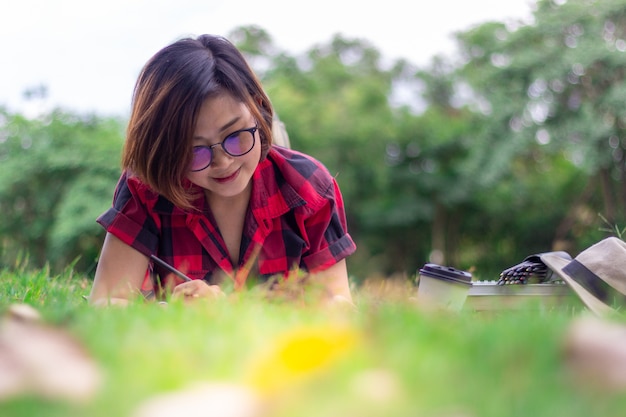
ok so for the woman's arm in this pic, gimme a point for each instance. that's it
(335, 280)
(120, 273)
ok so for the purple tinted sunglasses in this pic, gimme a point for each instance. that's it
(237, 143)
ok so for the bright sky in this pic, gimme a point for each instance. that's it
(88, 53)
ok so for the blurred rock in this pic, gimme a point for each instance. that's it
(23, 312)
(204, 400)
(377, 386)
(41, 360)
(595, 353)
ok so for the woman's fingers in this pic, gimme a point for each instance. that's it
(196, 289)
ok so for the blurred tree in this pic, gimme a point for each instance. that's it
(552, 95)
(58, 173)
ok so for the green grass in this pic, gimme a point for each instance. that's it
(404, 361)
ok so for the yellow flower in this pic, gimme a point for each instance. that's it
(297, 355)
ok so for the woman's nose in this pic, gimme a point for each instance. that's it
(220, 156)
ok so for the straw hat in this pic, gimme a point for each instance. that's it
(597, 275)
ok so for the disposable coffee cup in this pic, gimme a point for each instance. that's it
(443, 286)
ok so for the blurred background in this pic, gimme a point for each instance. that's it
(469, 134)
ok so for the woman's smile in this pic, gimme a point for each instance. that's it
(228, 178)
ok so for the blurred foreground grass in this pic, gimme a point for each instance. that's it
(385, 358)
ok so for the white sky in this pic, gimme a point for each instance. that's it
(88, 53)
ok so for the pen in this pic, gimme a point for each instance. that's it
(170, 268)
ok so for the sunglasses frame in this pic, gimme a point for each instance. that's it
(251, 130)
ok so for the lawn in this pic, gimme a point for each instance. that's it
(386, 357)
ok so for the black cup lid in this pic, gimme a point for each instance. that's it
(447, 273)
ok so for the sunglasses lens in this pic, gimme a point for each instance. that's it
(239, 143)
(201, 158)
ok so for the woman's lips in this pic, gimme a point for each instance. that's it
(229, 178)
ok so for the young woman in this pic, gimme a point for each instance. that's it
(203, 189)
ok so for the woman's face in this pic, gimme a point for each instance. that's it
(227, 176)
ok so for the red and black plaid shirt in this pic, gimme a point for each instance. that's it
(295, 219)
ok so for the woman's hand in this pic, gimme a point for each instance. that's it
(196, 289)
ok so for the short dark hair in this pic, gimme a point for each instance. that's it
(166, 100)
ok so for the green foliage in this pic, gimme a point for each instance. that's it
(547, 154)
(57, 176)
(56, 296)
(402, 362)
(558, 82)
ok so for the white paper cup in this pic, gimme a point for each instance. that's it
(443, 287)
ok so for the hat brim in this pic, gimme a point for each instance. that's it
(557, 263)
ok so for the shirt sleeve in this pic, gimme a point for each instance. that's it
(130, 218)
(327, 233)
